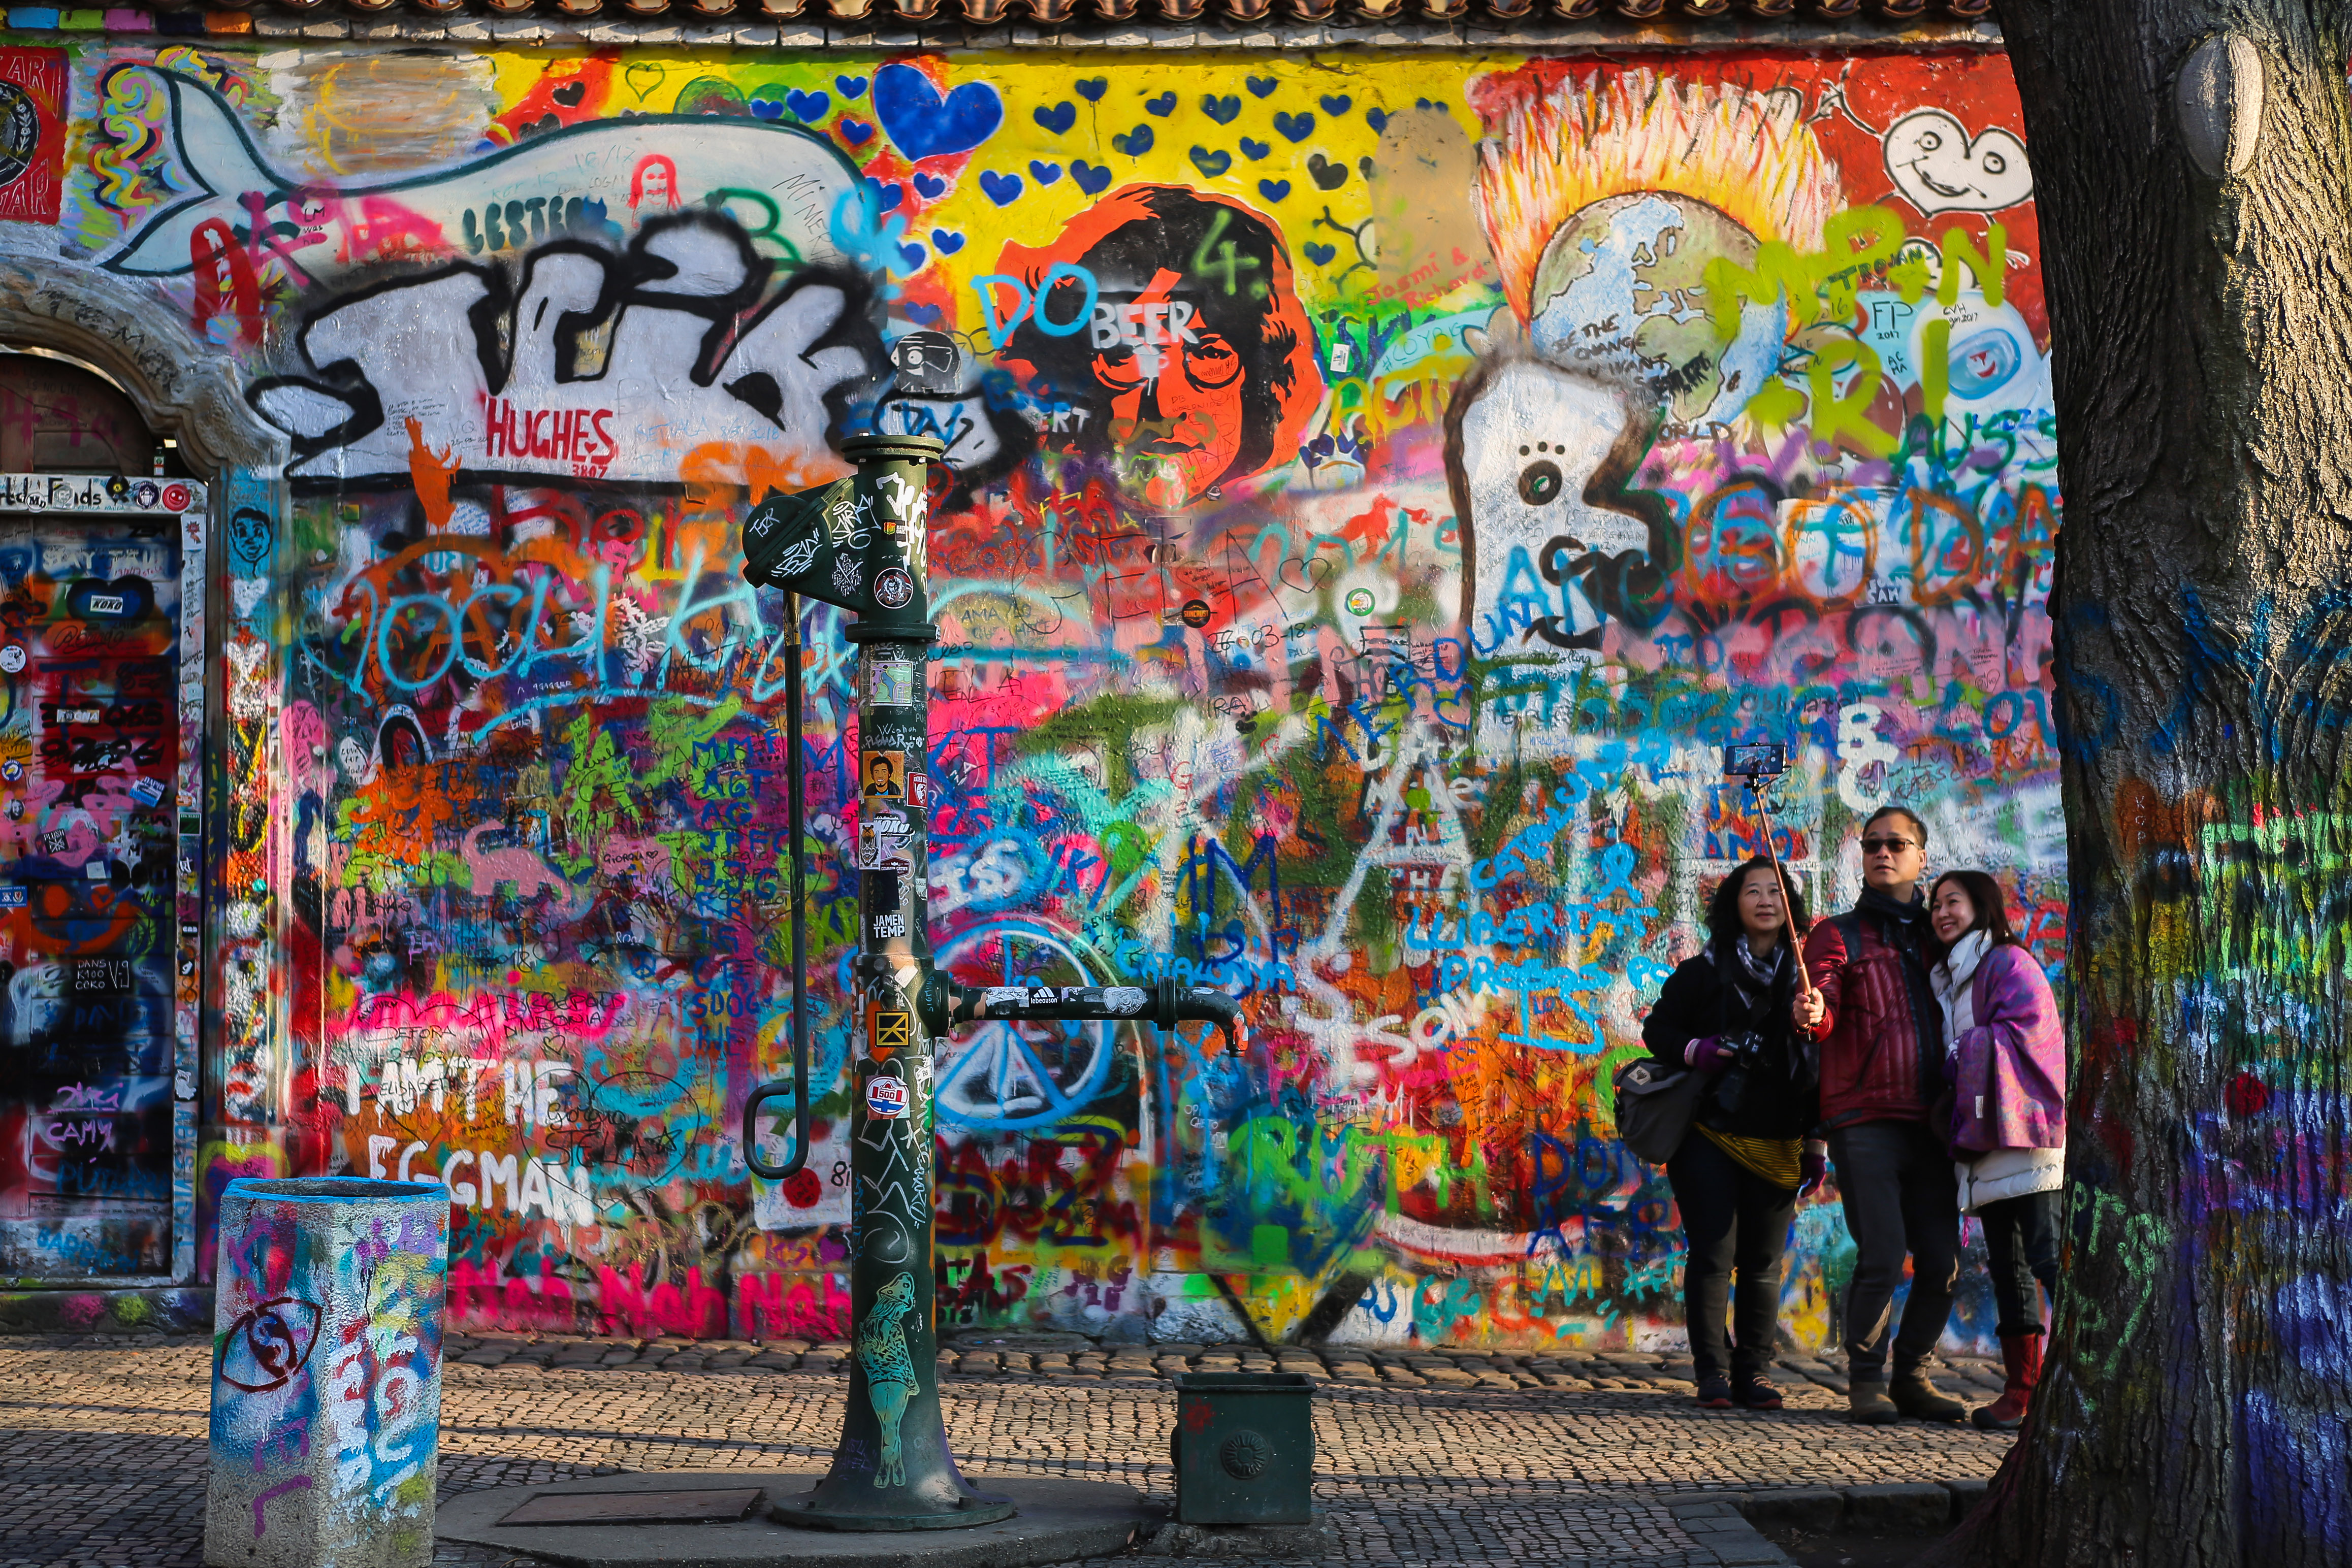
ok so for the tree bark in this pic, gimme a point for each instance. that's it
(2194, 1408)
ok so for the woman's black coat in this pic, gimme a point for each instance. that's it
(1782, 1098)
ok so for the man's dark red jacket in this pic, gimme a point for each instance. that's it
(1882, 1036)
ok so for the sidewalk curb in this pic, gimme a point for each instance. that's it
(1717, 1524)
(1719, 1521)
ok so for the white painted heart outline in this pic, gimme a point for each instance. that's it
(1939, 167)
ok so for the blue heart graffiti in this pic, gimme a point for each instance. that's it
(925, 125)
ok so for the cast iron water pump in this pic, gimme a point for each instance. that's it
(859, 544)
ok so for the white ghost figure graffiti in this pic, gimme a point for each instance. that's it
(428, 350)
(1524, 442)
(1939, 167)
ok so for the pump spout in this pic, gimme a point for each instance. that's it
(1204, 1004)
(947, 1003)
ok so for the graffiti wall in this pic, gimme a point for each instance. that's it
(1382, 484)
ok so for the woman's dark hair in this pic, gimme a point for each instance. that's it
(1991, 904)
(1242, 293)
(1723, 909)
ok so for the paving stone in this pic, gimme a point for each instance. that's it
(104, 1446)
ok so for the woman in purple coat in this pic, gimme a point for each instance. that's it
(2005, 1060)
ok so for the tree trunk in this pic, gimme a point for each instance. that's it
(2195, 1407)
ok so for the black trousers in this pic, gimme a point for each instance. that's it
(1736, 1221)
(1901, 1198)
(2021, 1235)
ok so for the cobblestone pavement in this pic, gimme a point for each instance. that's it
(1435, 1458)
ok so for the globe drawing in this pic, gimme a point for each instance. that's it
(1621, 293)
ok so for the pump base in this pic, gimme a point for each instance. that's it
(1057, 1521)
(803, 1512)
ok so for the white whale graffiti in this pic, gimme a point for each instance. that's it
(473, 364)
(783, 184)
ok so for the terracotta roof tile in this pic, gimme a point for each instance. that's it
(1058, 14)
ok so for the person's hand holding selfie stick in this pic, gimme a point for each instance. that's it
(1806, 1009)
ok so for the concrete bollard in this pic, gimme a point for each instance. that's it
(325, 1374)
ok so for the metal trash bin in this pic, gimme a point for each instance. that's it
(1244, 1449)
(326, 1417)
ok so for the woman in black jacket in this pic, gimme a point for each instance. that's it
(1740, 1169)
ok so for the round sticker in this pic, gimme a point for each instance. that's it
(20, 133)
(11, 658)
(1359, 602)
(12, 770)
(1196, 612)
(893, 587)
(176, 497)
(886, 1097)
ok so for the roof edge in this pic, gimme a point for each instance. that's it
(678, 25)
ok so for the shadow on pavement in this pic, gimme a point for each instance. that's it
(1850, 1548)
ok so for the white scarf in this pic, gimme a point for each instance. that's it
(1952, 981)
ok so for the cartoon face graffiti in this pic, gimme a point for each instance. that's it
(1161, 329)
(653, 185)
(1934, 160)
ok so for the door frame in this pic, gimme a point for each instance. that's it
(68, 499)
(191, 392)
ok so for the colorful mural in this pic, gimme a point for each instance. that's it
(1382, 484)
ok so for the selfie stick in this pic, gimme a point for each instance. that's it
(1771, 854)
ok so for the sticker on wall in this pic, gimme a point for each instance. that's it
(886, 775)
(32, 133)
(886, 1097)
(893, 588)
(890, 683)
(893, 1029)
(885, 844)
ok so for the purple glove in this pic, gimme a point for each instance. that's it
(1708, 1054)
(1813, 1168)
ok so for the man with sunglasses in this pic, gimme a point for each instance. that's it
(1881, 1036)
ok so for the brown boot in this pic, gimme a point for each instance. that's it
(1921, 1400)
(1866, 1404)
(2020, 1357)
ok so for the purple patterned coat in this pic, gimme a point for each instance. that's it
(2010, 1088)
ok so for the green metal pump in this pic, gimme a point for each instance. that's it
(859, 544)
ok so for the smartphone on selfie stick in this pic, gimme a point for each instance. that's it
(1758, 762)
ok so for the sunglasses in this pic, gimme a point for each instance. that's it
(1890, 846)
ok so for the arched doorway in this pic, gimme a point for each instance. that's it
(119, 441)
(60, 417)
